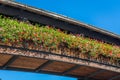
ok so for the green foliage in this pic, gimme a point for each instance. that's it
(15, 32)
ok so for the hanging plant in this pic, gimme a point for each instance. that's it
(13, 32)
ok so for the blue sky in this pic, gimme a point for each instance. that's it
(104, 14)
(13, 75)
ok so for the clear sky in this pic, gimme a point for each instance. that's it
(104, 14)
(13, 75)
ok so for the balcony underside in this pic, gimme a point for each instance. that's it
(21, 59)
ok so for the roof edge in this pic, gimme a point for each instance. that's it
(60, 17)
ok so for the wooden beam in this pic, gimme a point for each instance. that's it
(86, 79)
(10, 61)
(115, 77)
(96, 73)
(73, 68)
(55, 57)
(43, 65)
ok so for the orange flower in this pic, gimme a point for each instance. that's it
(35, 35)
(110, 53)
(59, 30)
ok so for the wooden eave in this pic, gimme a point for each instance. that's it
(21, 59)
